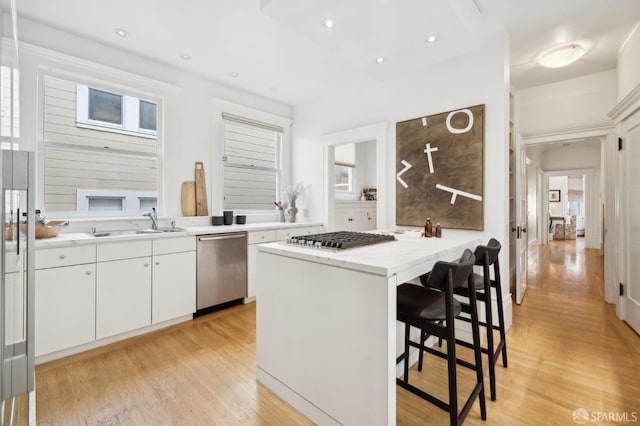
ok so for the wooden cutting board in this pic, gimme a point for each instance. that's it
(188, 195)
(202, 208)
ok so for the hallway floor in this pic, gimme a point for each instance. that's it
(567, 350)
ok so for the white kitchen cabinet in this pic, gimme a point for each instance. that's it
(65, 256)
(174, 286)
(355, 216)
(285, 234)
(123, 296)
(65, 307)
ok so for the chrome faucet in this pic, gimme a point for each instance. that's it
(153, 216)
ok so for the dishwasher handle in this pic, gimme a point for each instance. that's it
(221, 237)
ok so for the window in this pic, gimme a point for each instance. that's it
(113, 112)
(93, 169)
(105, 107)
(10, 107)
(344, 178)
(148, 115)
(115, 200)
(252, 158)
(345, 164)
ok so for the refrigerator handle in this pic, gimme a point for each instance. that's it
(18, 231)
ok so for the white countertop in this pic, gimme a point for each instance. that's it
(72, 239)
(384, 259)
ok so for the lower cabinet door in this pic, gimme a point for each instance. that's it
(174, 286)
(65, 307)
(123, 299)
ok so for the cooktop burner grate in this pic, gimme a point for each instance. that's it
(339, 240)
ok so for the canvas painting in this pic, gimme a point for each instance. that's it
(440, 169)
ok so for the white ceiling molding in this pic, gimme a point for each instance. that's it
(104, 72)
(627, 106)
(569, 133)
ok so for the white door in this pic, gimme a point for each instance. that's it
(629, 302)
(521, 223)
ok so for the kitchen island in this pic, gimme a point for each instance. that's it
(326, 324)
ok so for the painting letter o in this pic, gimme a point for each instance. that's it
(457, 131)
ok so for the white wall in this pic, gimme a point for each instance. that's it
(365, 166)
(561, 183)
(566, 104)
(575, 156)
(188, 131)
(629, 64)
(480, 77)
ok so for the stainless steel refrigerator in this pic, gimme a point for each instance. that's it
(17, 298)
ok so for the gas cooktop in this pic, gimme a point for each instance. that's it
(339, 240)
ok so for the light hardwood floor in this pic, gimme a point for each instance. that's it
(566, 348)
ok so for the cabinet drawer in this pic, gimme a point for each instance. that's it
(283, 234)
(173, 245)
(65, 256)
(124, 250)
(257, 237)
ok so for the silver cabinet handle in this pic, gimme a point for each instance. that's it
(146, 265)
(222, 237)
(157, 263)
(62, 256)
(88, 272)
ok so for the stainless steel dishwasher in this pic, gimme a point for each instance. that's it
(221, 269)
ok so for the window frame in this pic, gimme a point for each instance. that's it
(350, 180)
(130, 106)
(220, 107)
(277, 170)
(110, 80)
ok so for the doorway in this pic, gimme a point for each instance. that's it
(371, 142)
(567, 213)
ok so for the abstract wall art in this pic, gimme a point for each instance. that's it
(440, 169)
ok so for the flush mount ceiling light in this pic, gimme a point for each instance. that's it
(561, 56)
(273, 88)
(328, 23)
(185, 56)
(234, 74)
(121, 32)
(432, 38)
(380, 60)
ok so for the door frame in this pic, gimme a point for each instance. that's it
(375, 132)
(607, 134)
(592, 217)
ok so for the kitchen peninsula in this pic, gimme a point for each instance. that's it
(326, 324)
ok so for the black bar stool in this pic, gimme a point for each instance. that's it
(432, 309)
(486, 256)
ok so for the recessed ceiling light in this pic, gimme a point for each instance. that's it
(328, 23)
(432, 38)
(273, 88)
(185, 56)
(121, 32)
(234, 74)
(380, 60)
(561, 56)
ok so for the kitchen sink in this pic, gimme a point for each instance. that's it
(170, 229)
(135, 232)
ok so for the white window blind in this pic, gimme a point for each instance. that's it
(251, 164)
(575, 192)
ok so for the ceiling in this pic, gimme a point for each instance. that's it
(279, 48)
